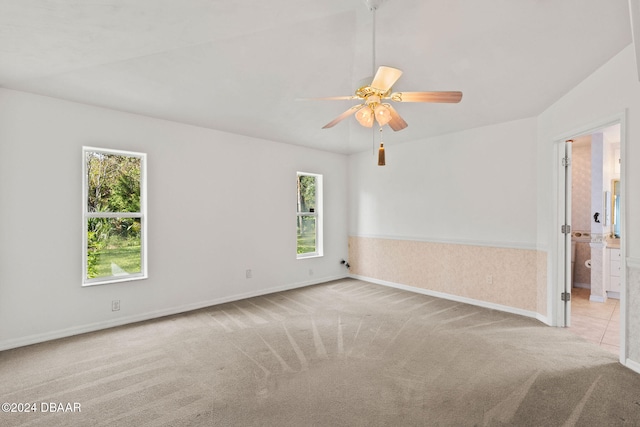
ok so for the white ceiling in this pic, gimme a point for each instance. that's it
(241, 66)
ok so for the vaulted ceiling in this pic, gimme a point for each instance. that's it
(242, 66)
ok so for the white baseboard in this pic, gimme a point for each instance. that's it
(634, 366)
(581, 285)
(457, 298)
(613, 294)
(596, 298)
(543, 319)
(92, 327)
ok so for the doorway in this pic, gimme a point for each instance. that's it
(591, 245)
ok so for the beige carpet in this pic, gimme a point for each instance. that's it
(345, 353)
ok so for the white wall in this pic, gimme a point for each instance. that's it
(218, 204)
(453, 216)
(611, 91)
(477, 185)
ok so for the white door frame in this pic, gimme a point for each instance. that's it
(558, 255)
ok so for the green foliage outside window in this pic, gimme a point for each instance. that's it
(113, 187)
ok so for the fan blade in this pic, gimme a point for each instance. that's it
(343, 116)
(451, 97)
(396, 123)
(330, 98)
(385, 78)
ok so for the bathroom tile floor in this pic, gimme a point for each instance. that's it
(596, 321)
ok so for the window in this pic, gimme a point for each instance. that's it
(114, 216)
(309, 215)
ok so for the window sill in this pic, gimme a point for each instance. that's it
(108, 281)
(311, 255)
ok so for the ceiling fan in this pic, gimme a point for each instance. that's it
(372, 107)
(372, 97)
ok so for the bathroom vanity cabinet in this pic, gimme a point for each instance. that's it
(613, 263)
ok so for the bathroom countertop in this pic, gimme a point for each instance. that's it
(613, 244)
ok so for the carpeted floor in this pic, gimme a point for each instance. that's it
(344, 353)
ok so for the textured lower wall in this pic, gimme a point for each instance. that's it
(512, 277)
(632, 314)
(543, 284)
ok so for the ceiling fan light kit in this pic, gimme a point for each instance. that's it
(383, 115)
(364, 116)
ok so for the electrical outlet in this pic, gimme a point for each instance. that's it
(489, 280)
(115, 305)
(249, 274)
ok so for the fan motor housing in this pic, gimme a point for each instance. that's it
(366, 91)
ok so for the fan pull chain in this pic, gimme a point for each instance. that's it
(373, 140)
(381, 159)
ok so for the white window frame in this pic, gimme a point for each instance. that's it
(318, 214)
(142, 215)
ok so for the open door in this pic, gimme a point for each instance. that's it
(566, 232)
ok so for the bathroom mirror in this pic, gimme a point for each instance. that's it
(615, 206)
